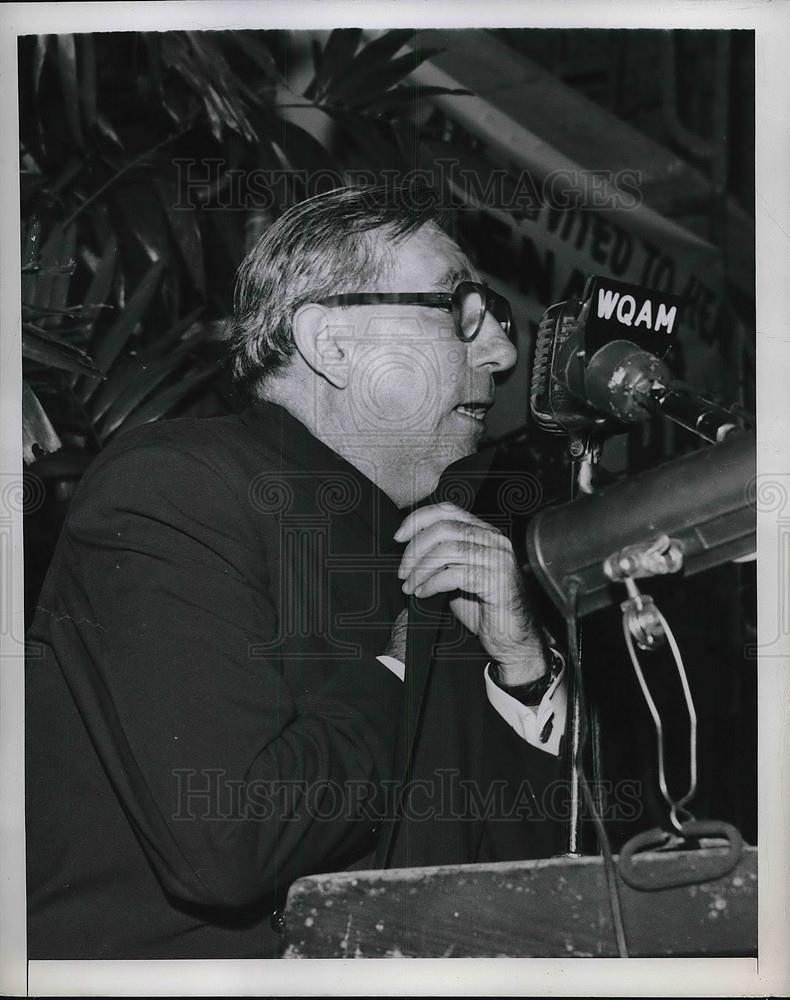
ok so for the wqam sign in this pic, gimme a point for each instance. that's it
(621, 311)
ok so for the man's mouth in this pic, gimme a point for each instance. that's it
(475, 409)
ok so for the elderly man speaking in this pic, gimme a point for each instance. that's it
(223, 698)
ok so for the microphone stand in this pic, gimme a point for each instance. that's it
(585, 451)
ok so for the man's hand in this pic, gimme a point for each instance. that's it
(449, 550)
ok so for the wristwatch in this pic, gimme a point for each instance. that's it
(532, 692)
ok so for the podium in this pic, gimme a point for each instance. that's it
(550, 908)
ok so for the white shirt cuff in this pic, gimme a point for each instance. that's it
(542, 725)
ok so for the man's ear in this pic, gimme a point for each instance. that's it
(324, 347)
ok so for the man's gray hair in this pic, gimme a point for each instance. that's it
(319, 247)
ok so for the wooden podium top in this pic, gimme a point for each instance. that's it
(552, 908)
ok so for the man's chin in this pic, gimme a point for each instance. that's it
(429, 471)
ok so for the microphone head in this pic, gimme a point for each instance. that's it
(539, 396)
(568, 393)
(554, 400)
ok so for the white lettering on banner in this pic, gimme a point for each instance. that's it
(666, 317)
(626, 317)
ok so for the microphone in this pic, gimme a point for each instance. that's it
(598, 364)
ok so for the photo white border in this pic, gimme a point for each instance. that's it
(770, 975)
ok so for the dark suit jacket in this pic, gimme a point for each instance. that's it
(206, 718)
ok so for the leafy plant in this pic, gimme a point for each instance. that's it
(127, 272)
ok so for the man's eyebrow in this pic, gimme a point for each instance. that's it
(453, 275)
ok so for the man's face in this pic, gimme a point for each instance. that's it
(416, 396)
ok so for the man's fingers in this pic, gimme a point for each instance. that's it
(456, 553)
(423, 518)
(486, 571)
(454, 534)
(445, 579)
(448, 549)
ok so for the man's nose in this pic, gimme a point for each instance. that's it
(492, 347)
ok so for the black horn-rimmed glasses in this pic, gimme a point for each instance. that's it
(468, 303)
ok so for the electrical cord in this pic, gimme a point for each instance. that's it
(610, 870)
